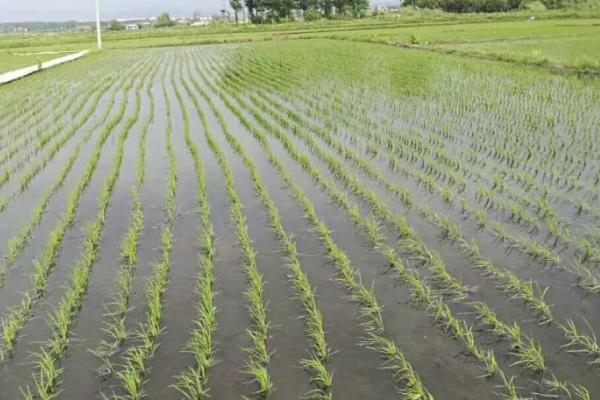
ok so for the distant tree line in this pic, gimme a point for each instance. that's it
(266, 10)
(463, 6)
(38, 26)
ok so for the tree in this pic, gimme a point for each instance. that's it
(164, 20)
(237, 7)
(251, 6)
(116, 26)
(359, 7)
(277, 10)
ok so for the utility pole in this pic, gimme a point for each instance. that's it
(98, 28)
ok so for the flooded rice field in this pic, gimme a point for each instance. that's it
(272, 222)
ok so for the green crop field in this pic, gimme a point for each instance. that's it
(378, 209)
(10, 62)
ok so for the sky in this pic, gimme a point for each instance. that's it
(83, 10)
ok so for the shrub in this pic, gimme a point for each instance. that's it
(312, 15)
(534, 6)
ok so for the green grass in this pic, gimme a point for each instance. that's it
(554, 37)
(10, 62)
(580, 52)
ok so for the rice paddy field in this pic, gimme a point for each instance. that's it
(12, 62)
(308, 219)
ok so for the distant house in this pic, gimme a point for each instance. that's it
(83, 28)
(385, 8)
(202, 21)
(141, 22)
(21, 29)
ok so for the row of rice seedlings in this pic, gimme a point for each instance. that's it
(35, 111)
(521, 214)
(525, 291)
(21, 145)
(586, 279)
(426, 163)
(408, 240)
(409, 383)
(47, 372)
(22, 116)
(134, 366)
(545, 212)
(192, 382)
(580, 342)
(523, 356)
(436, 120)
(522, 290)
(68, 133)
(378, 143)
(258, 330)
(371, 227)
(117, 309)
(60, 88)
(530, 247)
(24, 134)
(37, 167)
(25, 109)
(17, 316)
(530, 355)
(17, 112)
(507, 280)
(17, 243)
(421, 292)
(316, 364)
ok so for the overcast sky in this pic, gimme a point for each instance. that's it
(62, 10)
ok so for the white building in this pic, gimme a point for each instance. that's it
(132, 27)
(202, 21)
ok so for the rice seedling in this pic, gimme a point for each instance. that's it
(191, 383)
(369, 308)
(45, 261)
(523, 214)
(61, 320)
(258, 331)
(133, 367)
(119, 306)
(521, 290)
(315, 366)
(579, 342)
(448, 203)
(531, 356)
